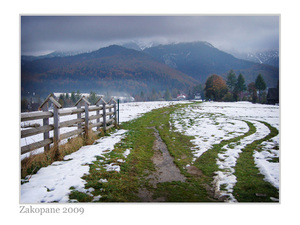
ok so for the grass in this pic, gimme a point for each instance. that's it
(124, 186)
(30, 165)
(207, 161)
(251, 186)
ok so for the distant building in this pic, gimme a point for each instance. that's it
(181, 97)
(197, 96)
(273, 96)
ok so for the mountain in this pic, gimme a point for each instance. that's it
(269, 57)
(28, 58)
(113, 68)
(201, 59)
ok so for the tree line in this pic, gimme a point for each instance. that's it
(235, 88)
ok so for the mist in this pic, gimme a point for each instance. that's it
(45, 34)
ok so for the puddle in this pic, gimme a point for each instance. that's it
(166, 170)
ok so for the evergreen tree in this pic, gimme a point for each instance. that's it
(77, 96)
(231, 80)
(61, 99)
(240, 84)
(24, 105)
(154, 95)
(142, 96)
(73, 97)
(167, 95)
(92, 98)
(260, 85)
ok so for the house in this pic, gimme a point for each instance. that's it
(181, 97)
(197, 96)
(273, 96)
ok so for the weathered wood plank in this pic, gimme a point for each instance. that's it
(110, 120)
(70, 122)
(115, 113)
(109, 106)
(70, 111)
(110, 126)
(56, 125)
(110, 113)
(96, 124)
(36, 145)
(104, 115)
(95, 117)
(46, 135)
(95, 108)
(86, 117)
(36, 130)
(70, 133)
(35, 116)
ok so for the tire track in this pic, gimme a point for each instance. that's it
(251, 185)
(225, 180)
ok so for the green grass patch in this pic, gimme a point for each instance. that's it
(251, 186)
(207, 161)
(124, 186)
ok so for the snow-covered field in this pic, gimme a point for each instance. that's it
(212, 122)
(209, 123)
(53, 182)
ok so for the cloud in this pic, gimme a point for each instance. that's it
(66, 33)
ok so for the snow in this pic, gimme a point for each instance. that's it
(227, 161)
(207, 128)
(128, 111)
(53, 183)
(211, 122)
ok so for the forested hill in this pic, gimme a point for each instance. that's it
(201, 59)
(111, 68)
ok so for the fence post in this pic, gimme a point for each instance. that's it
(83, 101)
(78, 117)
(104, 115)
(45, 108)
(56, 106)
(98, 112)
(115, 109)
(103, 110)
(118, 111)
(56, 125)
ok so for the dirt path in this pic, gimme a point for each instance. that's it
(166, 170)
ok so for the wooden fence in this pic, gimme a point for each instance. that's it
(106, 117)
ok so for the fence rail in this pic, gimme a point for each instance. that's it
(106, 117)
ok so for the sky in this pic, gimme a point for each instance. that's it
(44, 34)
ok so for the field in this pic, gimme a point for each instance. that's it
(174, 152)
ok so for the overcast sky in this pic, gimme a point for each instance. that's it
(45, 34)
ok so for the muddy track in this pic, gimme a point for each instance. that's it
(166, 170)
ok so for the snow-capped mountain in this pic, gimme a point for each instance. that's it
(270, 57)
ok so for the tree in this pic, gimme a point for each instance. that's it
(77, 96)
(61, 99)
(92, 98)
(240, 84)
(167, 95)
(231, 80)
(215, 87)
(73, 97)
(24, 105)
(260, 85)
(142, 96)
(252, 91)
